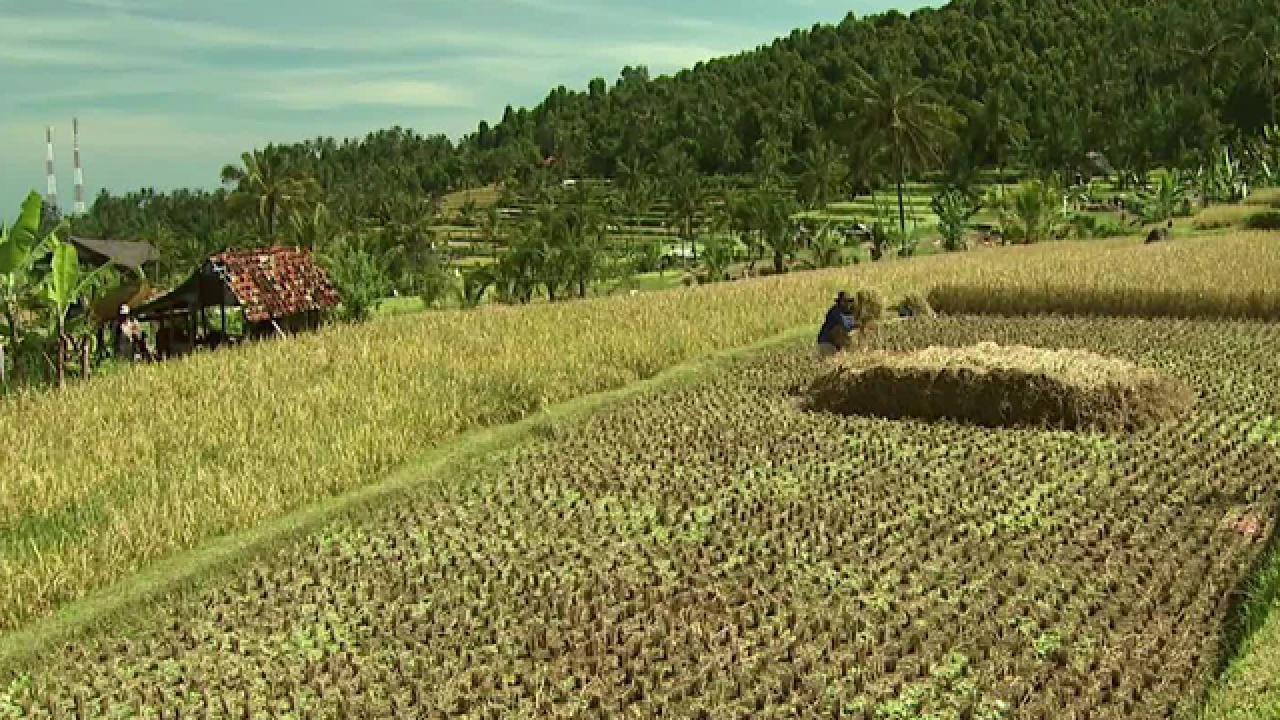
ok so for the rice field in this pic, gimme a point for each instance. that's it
(111, 476)
(1219, 217)
(712, 550)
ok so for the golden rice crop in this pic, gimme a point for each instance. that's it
(1217, 217)
(111, 475)
(1214, 278)
(1269, 197)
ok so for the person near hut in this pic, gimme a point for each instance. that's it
(834, 335)
(130, 344)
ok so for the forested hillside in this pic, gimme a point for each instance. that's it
(1142, 81)
(1033, 86)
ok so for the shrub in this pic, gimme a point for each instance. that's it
(438, 283)
(1092, 226)
(1266, 220)
(359, 276)
(998, 386)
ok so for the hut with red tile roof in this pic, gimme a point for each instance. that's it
(278, 290)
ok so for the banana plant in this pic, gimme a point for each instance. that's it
(1223, 179)
(64, 286)
(827, 250)
(1263, 155)
(21, 250)
(1162, 202)
(954, 208)
(1032, 213)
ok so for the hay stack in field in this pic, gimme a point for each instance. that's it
(1001, 386)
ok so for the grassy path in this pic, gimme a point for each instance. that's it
(1249, 688)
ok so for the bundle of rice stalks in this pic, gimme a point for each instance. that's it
(915, 305)
(1001, 386)
(868, 307)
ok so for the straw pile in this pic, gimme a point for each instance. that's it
(1000, 386)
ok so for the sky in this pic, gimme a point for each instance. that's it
(169, 91)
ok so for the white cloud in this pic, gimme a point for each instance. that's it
(333, 93)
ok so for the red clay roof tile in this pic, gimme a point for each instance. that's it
(275, 282)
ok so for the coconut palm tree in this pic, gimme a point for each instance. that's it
(688, 197)
(824, 170)
(902, 124)
(268, 184)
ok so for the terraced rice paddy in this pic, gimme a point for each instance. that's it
(710, 550)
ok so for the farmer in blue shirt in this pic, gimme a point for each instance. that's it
(840, 316)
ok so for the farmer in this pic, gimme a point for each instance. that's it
(835, 328)
(128, 335)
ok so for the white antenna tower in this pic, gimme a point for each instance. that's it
(52, 197)
(79, 178)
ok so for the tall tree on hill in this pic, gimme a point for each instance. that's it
(775, 211)
(637, 191)
(687, 196)
(267, 184)
(902, 124)
(1004, 134)
(824, 170)
(770, 161)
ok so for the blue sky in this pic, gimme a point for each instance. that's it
(168, 91)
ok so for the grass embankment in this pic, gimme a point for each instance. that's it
(1249, 689)
(110, 476)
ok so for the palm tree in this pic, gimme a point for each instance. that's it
(902, 124)
(268, 183)
(776, 209)
(688, 196)
(311, 229)
(1003, 134)
(823, 174)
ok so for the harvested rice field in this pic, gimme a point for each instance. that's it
(712, 550)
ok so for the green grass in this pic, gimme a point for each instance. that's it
(1249, 688)
(657, 282)
(390, 307)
